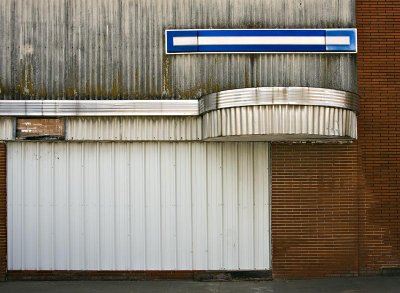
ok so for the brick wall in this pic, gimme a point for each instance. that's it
(3, 213)
(314, 210)
(378, 25)
(336, 208)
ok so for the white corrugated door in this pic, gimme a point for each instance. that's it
(138, 206)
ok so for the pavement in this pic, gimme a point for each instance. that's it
(342, 285)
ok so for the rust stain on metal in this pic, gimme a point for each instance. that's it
(116, 89)
(40, 129)
(166, 81)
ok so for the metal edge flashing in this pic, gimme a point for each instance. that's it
(248, 114)
(305, 96)
(61, 108)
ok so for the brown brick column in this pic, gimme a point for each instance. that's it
(314, 210)
(3, 213)
(378, 25)
(336, 208)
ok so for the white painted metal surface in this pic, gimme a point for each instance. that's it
(7, 127)
(138, 206)
(134, 128)
(261, 40)
(280, 123)
(63, 108)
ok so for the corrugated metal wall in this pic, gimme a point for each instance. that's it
(113, 49)
(138, 206)
(7, 128)
(280, 122)
(134, 128)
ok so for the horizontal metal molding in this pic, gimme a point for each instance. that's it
(241, 114)
(251, 123)
(224, 99)
(279, 96)
(99, 108)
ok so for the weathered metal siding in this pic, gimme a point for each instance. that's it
(134, 128)
(138, 206)
(7, 128)
(258, 123)
(113, 49)
(284, 122)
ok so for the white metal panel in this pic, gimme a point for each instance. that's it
(245, 204)
(137, 197)
(106, 214)
(184, 198)
(122, 207)
(61, 206)
(262, 206)
(45, 210)
(30, 206)
(279, 122)
(168, 231)
(134, 128)
(214, 206)
(92, 198)
(230, 208)
(7, 127)
(138, 206)
(199, 205)
(75, 179)
(153, 206)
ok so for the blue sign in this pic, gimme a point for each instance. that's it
(261, 41)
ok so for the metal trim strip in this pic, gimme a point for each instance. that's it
(225, 99)
(305, 96)
(57, 108)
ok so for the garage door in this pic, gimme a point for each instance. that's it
(138, 206)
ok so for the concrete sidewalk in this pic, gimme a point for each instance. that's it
(343, 285)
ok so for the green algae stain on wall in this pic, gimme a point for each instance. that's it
(166, 76)
(25, 86)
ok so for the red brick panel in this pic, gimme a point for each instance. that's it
(378, 25)
(40, 128)
(314, 210)
(3, 213)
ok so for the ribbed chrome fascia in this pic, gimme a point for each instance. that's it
(50, 108)
(305, 96)
(293, 113)
(279, 122)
